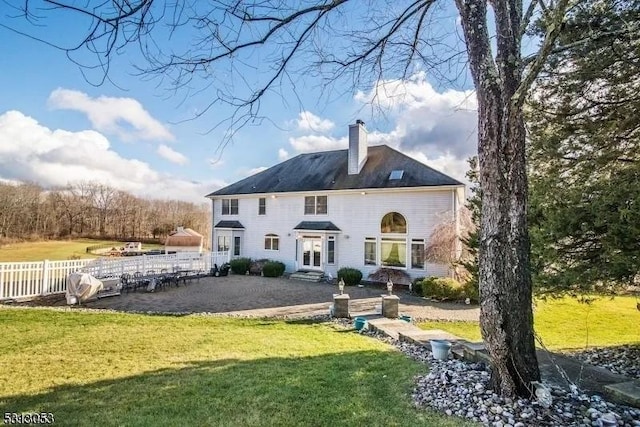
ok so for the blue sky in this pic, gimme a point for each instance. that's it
(57, 127)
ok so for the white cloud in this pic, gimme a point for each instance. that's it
(256, 170)
(416, 92)
(172, 155)
(31, 152)
(283, 154)
(124, 117)
(436, 128)
(216, 163)
(447, 164)
(308, 121)
(313, 143)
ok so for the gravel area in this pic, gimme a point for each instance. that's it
(623, 360)
(459, 388)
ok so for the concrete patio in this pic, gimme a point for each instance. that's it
(269, 297)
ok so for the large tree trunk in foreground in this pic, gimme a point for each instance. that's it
(506, 316)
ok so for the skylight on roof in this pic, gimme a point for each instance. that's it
(395, 175)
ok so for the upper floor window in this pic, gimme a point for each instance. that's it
(262, 206)
(315, 205)
(393, 222)
(229, 206)
(271, 242)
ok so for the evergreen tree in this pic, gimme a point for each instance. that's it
(584, 153)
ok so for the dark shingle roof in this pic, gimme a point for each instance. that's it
(328, 171)
(228, 224)
(317, 225)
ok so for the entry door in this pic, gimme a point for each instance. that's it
(312, 253)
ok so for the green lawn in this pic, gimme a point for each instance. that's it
(565, 323)
(53, 250)
(125, 369)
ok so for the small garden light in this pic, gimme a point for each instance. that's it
(341, 286)
(390, 287)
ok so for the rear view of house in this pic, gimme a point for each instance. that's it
(364, 207)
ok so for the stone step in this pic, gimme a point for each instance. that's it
(420, 336)
(627, 392)
(309, 276)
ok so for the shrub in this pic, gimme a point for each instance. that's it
(240, 265)
(442, 288)
(273, 269)
(383, 275)
(416, 285)
(471, 290)
(351, 276)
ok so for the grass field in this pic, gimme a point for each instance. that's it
(125, 369)
(53, 250)
(565, 323)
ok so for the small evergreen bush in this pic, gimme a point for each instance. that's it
(273, 269)
(416, 285)
(442, 288)
(351, 276)
(240, 265)
(471, 290)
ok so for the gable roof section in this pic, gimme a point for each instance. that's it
(328, 171)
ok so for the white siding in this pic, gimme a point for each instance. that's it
(357, 215)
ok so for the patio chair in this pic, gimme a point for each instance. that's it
(164, 279)
(139, 281)
(126, 282)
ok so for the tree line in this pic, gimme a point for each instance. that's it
(92, 209)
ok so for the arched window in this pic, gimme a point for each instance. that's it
(393, 222)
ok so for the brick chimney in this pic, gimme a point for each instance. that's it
(357, 147)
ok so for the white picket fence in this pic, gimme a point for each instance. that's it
(31, 279)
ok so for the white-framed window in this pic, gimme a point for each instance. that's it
(315, 205)
(229, 206)
(271, 242)
(417, 254)
(262, 206)
(236, 246)
(331, 250)
(370, 251)
(223, 243)
(393, 252)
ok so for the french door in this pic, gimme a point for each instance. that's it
(312, 252)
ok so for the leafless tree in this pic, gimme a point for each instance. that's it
(241, 50)
(445, 244)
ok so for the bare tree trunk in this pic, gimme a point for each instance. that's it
(506, 315)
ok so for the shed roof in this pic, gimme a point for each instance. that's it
(184, 237)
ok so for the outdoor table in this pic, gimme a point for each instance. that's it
(155, 278)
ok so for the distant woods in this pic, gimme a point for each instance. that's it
(90, 209)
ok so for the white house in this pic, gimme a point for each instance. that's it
(365, 207)
(183, 240)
